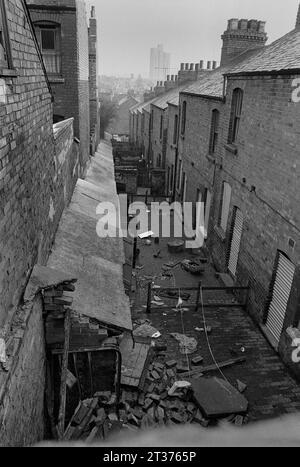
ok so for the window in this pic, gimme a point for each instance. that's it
(235, 117)
(5, 58)
(179, 175)
(183, 118)
(214, 131)
(175, 129)
(226, 199)
(48, 36)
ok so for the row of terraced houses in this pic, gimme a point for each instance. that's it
(229, 136)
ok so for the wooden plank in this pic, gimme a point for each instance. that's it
(210, 368)
(64, 374)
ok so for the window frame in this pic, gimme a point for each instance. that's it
(235, 114)
(183, 118)
(7, 64)
(214, 132)
(175, 130)
(39, 26)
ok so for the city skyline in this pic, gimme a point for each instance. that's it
(190, 30)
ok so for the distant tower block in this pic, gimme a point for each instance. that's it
(242, 35)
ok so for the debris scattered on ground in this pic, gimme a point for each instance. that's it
(176, 246)
(193, 267)
(145, 330)
(188, 345)
(241, 386)
(157, 254)
(146, 235)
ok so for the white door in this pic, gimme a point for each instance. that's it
(281, 293)
(236, 241)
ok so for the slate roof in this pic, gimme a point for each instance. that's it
(212, 84)
(281, 55)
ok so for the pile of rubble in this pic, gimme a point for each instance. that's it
(164, 401)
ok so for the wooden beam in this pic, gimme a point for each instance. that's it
(64, 372)
(208, 369)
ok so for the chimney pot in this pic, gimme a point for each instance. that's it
(214, 65)
(182, 66)
(172, 78)
(93, 13)
(197, 66)
(243, 24)
(168, 77)
(201, 64)
(262, 26)
(253, 24)
(209, 65)
(186, 66)
(233, 24)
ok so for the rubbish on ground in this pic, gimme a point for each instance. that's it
(157, 303)
(171, 363)
(139, 268)
(156, 287)
(176, 246)
(145, 330)
(148, 243)
(180, 302)
(183, 368)
(197, 360)
(217, 398)
(241, 386)
(157, 254)
(193, 267)
(146, 235)
(172, 265)
(187, 345)
(178, 385)
(157, 335)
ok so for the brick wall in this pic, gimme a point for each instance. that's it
(22, 390)
(71, 89)
(93, 85)
(38, 172)
(157, 138)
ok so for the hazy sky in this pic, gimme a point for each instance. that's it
(189, 29)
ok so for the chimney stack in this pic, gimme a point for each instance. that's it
(298, 19)
(242, 35)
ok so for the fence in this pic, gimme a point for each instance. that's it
(193, 297)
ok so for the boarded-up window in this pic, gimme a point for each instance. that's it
(226, 199)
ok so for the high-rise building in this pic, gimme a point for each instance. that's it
(160, 63)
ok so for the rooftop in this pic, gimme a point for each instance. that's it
(282, 55)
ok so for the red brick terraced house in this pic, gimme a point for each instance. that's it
(238, 152)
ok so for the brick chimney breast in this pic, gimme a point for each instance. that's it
(242, 35)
